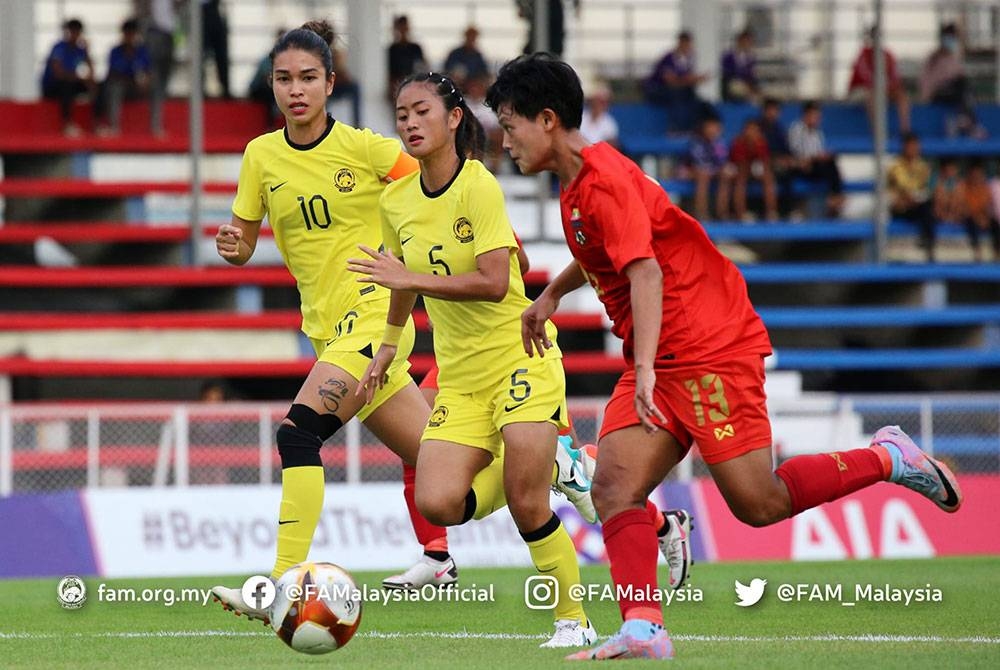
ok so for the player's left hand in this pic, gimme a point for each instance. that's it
(645, 406)
(381, 268)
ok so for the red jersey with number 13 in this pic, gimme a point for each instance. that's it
(614, 214)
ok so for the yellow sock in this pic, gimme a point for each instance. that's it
(488, 486)
(301, 504)
(555, 556)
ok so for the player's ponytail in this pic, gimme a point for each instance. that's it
(315, 37)
(470, 138)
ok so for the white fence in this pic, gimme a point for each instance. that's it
(46, 447)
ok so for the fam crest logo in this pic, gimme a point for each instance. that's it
(344, 180)
(463, 230)
(438, 416)
(71, 592)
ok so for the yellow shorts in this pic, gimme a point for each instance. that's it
(533, 392)
(359, 334)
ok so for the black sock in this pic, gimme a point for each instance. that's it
(470, 505)
(440, 556)
(665, 528)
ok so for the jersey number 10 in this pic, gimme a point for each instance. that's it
(309, 214)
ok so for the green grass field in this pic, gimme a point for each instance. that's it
(961, 631)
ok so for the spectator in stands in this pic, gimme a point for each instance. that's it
(129, 75)
(215, 42)
(979, 211)
(910, 194)
(943, 82)
(597, 124)
(475, 98)
(739, 71)
(557, 25)
(947, 207)
(69, 73)
(782, 161)
(707, 162)
(673, 83)
(346, 85)
(466, 61)
(751, 157)
(863, 82)
(405, 57)
(813, 162)
(159, 20)
(260, 85)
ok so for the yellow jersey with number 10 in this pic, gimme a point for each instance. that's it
(477, 343)
(321, 201)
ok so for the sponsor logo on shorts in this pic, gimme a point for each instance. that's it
(438, 416)
(724, 432)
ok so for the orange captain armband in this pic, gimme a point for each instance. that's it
(392, 335)
(405, 164)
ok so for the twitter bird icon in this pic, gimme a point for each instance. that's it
(750, 595)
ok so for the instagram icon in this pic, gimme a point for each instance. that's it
(541, 592)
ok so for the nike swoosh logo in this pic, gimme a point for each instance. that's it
(282, 523)
(275, 188)
(549, 570)
(439, 575)
(402, 242)
(508, 408)
(952, 498)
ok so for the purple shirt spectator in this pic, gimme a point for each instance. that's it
(706, 154)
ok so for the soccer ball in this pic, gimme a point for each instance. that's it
(317, 608)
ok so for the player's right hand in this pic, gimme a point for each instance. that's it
(533, 335)
(227, 241)
(376, 375)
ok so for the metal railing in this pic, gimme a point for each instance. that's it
(45, 447)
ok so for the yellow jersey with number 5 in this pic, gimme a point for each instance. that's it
(321, 201)
(476, 342)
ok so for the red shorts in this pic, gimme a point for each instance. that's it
(430, 380)
(720, 406)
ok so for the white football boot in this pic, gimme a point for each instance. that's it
(571, 633)
(232, 601)
(423, 572)
(575, 476)
(675, 545)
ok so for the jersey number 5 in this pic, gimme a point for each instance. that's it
(437, 261)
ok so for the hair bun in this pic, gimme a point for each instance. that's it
(321, 27)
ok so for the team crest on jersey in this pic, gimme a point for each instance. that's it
(463, 230)
(438, 416)
(344, 180)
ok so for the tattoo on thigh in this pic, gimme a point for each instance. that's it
(331, 393)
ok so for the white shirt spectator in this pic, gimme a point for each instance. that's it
(806, 142)
(602, 128)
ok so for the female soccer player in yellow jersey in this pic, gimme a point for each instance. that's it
(449, 225)
(318, 181)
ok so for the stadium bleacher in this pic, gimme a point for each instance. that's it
(827, 311)
(845, 126)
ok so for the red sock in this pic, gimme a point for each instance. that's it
(814, 480)
(433, 538)
(631, 543)
(655, 516)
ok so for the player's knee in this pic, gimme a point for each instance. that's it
(759, 512)
(302, 435)
(440, 510)
(613, 491)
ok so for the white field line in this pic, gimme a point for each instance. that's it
(389, 635)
